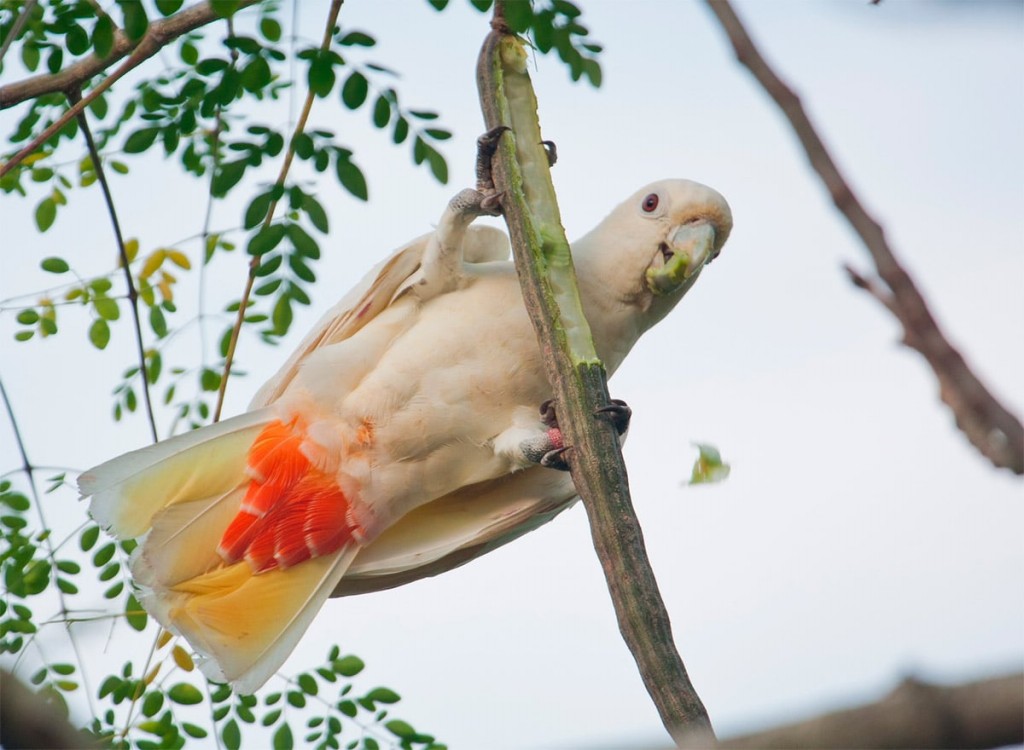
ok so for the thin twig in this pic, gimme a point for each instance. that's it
(254, 264)
(991, 427)
(218, 126)
(19, 24)
(29, 470)
(133, 294)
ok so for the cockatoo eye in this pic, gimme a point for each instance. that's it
(650, 203)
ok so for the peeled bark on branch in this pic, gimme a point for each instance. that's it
(577, 377)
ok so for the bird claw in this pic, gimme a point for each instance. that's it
(486, 145)
(547, 413)
(551, 150)
(553, 459)
(618, 412)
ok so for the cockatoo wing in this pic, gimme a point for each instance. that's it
(460, 527)
(386, 281)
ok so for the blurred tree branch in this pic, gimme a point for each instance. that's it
(30, 721)
(994, 431)
(983, 714)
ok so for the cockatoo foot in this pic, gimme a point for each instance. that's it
(619, 413)
(551, 150)
(554, 459)
(549, 451)
(486, 145)
(473, 203)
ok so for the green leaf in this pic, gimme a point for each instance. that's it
(321, 75)
(66, 586)
(355, 90)
(28, 317)
(383, 695)
(592, 70)
(152, 703)
(519, 16)
(300, 269)
(107, 308)
(136, 615)
(186, 694)
(99, 333)
(46, 212)
(400, 728)
(357, 38)
(266, 239)
(77, 40)
(308, 684)
(220, 693)
(193, 731)
(257, 210)
(296, 699)
(229, 175)
(104, 554)
(709, 466)
(381, 112)
(169, 7)
(158, 323)
(282, 316)
(283, 738)
(438, 165)
(348, 666)
(89, 537)
(209, 380)
(231, 736)
(315, 211)
(135, 20)
(103, 36)
(351, 177)
(141, 140)
(270, 29)
(401, 131)
(304, 245)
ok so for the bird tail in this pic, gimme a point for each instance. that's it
(179, 498)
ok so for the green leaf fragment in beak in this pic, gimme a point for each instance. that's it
(691, 246)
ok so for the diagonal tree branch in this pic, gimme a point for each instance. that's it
(991, 427)
(577, 376)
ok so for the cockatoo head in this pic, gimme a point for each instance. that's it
(649, 251)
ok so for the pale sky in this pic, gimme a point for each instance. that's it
(859, 538)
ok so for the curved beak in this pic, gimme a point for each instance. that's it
(678, 260)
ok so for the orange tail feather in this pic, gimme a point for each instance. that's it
(292, 511)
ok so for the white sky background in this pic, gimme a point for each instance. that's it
(859, 538)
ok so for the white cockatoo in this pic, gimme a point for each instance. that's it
(400, 440)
